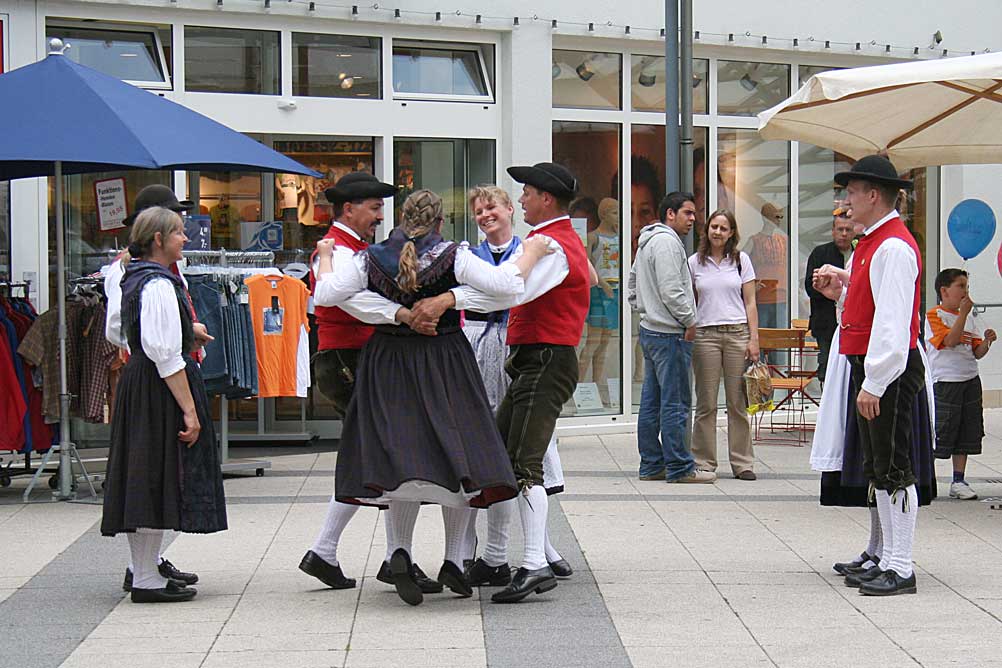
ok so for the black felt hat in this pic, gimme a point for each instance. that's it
(157, 195)
(356, 186)
(874, 168)
(547, 176)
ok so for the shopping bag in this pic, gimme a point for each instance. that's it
(758, 388)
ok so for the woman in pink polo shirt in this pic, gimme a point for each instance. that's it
(726, 338)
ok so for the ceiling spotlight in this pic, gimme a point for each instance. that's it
(584, 72)
(748, 83)
(647, 80)
(347, 83)
(555, 71)
(696, 81)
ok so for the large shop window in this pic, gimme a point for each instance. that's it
(753, 181)
(587, 80)
(443, 71)
(133, 53)
(225, 60)
(336, 66)
(647, 84)
(93, 237)
(744, 89)
(591, 151)
(449, 167)
(647, 169)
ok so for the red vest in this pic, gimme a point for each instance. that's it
(336, 330)
(558, 316)
(857, 318)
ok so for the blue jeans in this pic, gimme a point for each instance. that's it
(665, 405)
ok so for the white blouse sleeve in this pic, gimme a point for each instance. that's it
(113, 291)
(347, 279)
(548, 273)
(502, 280)
(160, 326)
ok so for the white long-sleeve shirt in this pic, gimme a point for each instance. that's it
(548, 273)
(350, 279)
(113, 274)
(160, 326)
(893, 272)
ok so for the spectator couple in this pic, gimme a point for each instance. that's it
(696, 311)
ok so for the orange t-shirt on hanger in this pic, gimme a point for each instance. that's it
(278, 313)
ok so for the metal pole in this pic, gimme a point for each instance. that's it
(65, 460)
(685, 137)
(671, 96)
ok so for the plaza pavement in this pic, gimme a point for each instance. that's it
(732, 574)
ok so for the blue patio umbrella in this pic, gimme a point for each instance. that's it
(70, 119)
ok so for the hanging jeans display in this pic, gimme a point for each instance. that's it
(230, 365)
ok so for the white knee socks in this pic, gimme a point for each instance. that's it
(403, 515)
(144, 545)
(338, 516)
(886, 530)
(551, 552)
(903, 506)
(390, 540)
(456, 521)
(498, 526)
(470, 538)
(875, 548)
(533, 506)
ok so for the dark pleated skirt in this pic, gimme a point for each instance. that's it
(420, 413)
(153, 480)
(849, 488)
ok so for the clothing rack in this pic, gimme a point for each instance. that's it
(239, 260)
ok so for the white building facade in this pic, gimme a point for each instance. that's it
(446, 96)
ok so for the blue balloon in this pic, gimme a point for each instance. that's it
(971, 227)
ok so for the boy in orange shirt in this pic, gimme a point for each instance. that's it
(955, 343)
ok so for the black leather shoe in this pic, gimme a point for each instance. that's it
(450, 576)
(402, 571)
(127, 582)
(481, 575)
(561, 568)
(329, 574)
(427, 585)
(865, 576)
(172, 593)
(524, 583)
(854, 566)
(888, 583)
(169, 571)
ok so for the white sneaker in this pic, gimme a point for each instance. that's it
(697, 476)
(961, 490)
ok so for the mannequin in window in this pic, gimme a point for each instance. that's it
(225, 219)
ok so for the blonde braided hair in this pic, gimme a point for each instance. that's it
(421, 214)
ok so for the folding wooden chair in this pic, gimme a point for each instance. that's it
(790, 380)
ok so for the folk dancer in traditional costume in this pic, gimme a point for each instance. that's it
(879, 334)
(358, 200)
(544, 327)
(419, 427)
(488, 333)
(837, 452)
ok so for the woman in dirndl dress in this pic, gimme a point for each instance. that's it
(163, 466)
(419, 427)
(837, 451)
(488, 334)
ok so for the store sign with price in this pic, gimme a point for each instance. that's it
(111, 197)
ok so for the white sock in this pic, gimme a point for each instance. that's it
(470, 538)
(456, 520)
(875, 548)
(904, 513)
(551, 552)
(144, 545)
(390, 540)
(886, 530)
(533, 506)
(403, 515)
(338, 516)
(498, 527)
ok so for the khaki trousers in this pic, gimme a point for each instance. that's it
(720, 350)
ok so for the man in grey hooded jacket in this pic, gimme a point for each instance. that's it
(660, 289)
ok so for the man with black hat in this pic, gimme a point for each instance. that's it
(342, 332)
(544, 328)
(879, 335)
(148, 197)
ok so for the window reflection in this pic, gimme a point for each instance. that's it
(647, 85)
(744, 89)
(336, 65)
(444, 70)
(587, 80)
(224, 60)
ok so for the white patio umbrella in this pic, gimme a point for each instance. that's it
(931, 112)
